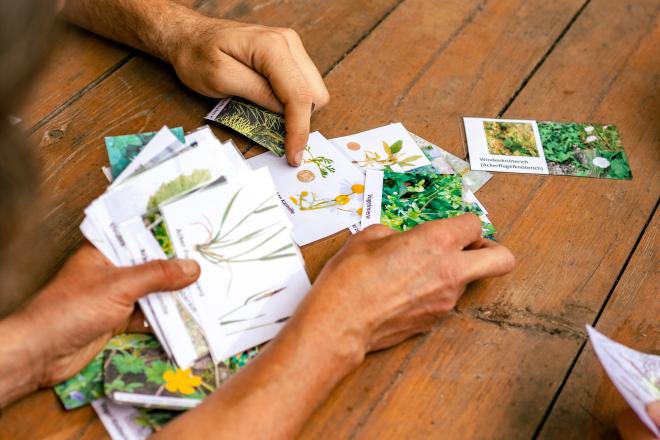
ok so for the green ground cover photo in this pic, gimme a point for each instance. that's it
(511, 138)
(588, 150)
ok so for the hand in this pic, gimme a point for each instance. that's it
(266, 65)
(90, 300)
(385, 286)
(631, 428)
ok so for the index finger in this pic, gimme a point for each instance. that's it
(491, 261)
(455, 232)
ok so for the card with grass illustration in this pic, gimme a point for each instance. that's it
(145, 376)
(557, 148)
(388, 146)
(234, 231)
(87, 385)
(256, 123)
(123, 149)
(321, 197)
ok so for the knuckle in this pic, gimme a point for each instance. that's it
(289, 34)
(322, 99)
(164, 271)
(451, 280)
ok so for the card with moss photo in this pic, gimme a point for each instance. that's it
(145, 376)
(123, 149)
(262, 126)
(588, 150)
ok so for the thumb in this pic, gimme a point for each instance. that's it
(156, 276)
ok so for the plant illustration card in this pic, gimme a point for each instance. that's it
(123, 149)
(256, 123)
(557, 148)
(636, 375)
(379, 148)
(440, 159)
(120, 421)
(145, 376)
(323, 195)
(234, 231)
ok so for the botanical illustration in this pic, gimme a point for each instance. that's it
(324, 164)
(230, 244)
(87, 385)
(511, 138)
(148, 371)
(306, 201)
(123, 149)
(155, 418)
(393, 156)
(410, 199)
(178, 186)
(258, 124)
(584, 150)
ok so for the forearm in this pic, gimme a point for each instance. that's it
(150, 26)
(20, 365)
(276, 393)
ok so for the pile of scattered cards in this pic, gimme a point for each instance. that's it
(192, 196)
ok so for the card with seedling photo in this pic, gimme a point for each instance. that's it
(389, 146)
(323, 195)
(262, 126)
(145, 376)
(557, 148)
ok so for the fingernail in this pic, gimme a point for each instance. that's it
(297, 160)
(190, 268)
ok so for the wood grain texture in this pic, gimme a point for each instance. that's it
(571, 237)
(589, 404)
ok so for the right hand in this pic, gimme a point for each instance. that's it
(266, 65)
(386, 286)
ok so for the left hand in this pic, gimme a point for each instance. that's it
(90, 300)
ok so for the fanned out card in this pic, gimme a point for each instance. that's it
(636, 375)
(234, 231)
(405, 200)
(262, 126)
(87, 385)
(446, 163)
(322, 196)
(123, 149)
(390, 146)
(145, 376)
(557, 148)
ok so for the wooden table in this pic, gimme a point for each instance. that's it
(513, 360)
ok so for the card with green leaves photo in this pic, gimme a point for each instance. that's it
(544, 147)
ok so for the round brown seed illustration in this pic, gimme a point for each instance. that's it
(305, 176)
(354, 146)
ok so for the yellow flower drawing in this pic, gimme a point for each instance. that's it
(358, 188)
(359, 212)
(342, 199)
(181, 381)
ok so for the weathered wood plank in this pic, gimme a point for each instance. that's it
(571, 235)
(589, 404)
(77, 60)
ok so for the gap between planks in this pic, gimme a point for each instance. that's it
(567, 376)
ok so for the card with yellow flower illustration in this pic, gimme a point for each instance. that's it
(390, 146)
(145, 376)
(321, 197)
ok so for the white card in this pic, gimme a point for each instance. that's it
(390, 145)
(486, 153)
(321, 197)
(373, 193)
(636, 375)
(120, 421)
(241, 238)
